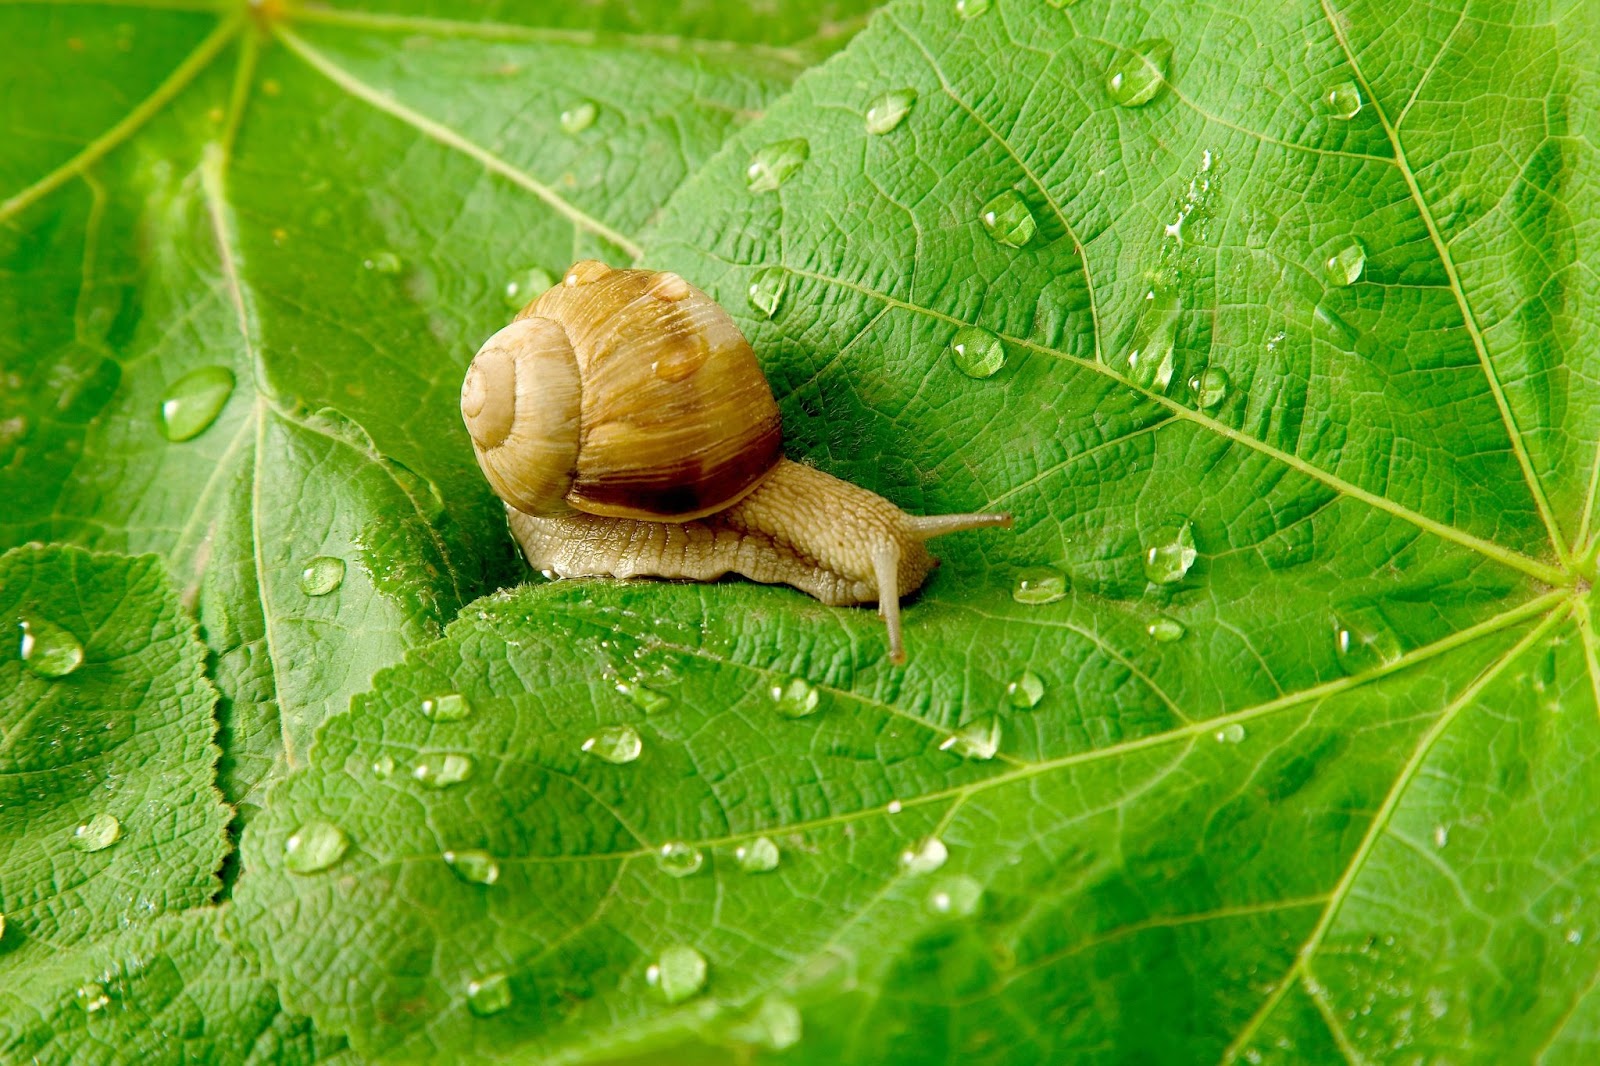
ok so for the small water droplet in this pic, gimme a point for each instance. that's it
(925, 856)
(1210, 387)
(615, 744)
(1135, 78)
(1008, 219)
(959, 896)
(644, 697)
(92, 997)
(1574, 936)
(1343, 100)
(314, 846)
(450, 707)
(1345, 265)
(527, 285)
(1232, 733)
(775, 164)
(194, 401)
(978, 740)
(322, 575)
(679, 859)
(384, 262)
(758, 856)
(1441, 835)
(579, 117)
(971, 9)
(1039, 584)
(98, 833)
(47, 649)
(1150, 348)
(890, 109)
(474, 866)
(489, 994)
(383, 766)
(442, 769)
(2, 926)
(1343, 334)
(894, 807)
(1169, 553)
(795, 697)
(775, 1025)
(1026, 691)
(679, 973)
(767, 289)
(1364, 642)
(1165, 630)
(976, 352)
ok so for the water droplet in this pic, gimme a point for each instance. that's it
(1345, 265)
(775, 1025)
(1574, 936)
(679, 973)
(1135, 78)
(525, 286)
(615, 744)
(1169, 554)
(451, 707)
(384, 262)
(1343, 334)
(1441, 835)
(679, 859)
(889, 110)
(925, 856)
(489, 994)
(1343, 100)
(1210, 387)
(775, 164)
(758, 856)
(322, 575)
(1364, 642)
(959, 896)
(2, 926)
(475, 867)
(767, 288)
(1039, 584)
(644, 697)
(894, 807)
(1232, 733)
(971, 9)
(194, 401)
(443, 769)
(795, 697)
(1008, 219)
(976, 352)
(314, 846)
(383, 766)
(97, 834)
(1165, 630)
(1026, 691)
(47, 649)
(92, 997)
(579, 117)
(978, 740)
(1154, 334)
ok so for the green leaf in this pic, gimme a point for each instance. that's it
(1310, 772)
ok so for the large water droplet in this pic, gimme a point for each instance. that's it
(679, 859)
(775, 164)
(1039, 584)
(1210, 387)
(1026, 691)
(616, 744)
(978, 740)
(1150, 347)
(194, 401)
(1169, 553)
(489, 994)
(976, 352)
(579, 117)
(1135, 78)
(767, 289)
(92, 997)
(971, 9)
(679, 973)
(98, 833)
(1364, 642)
(889, 110)
(441, 769)
(1345, 265)
(1008, 219)
(322, 575)
(758, 856)
(925, 856)
(958, 895)
(795, 697)
(384, 262)
(1165, 630)
(775, 1025)
(47, 649)
(1340, 332)
(383, 766)
(527, 285)
(1232, 733)
(314, 846)
(473, 866)
(450, 707)
(1343, 100)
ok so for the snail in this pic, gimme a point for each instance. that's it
(625, 423)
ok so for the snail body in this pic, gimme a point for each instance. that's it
(625, 422)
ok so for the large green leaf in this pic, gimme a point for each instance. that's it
(1348, 812)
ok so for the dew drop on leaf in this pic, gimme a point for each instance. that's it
(959, 896)
(889, 109)
(1135, 78)
(473, 866)
(978, 740)
(1336, 328)
(489, 994)
(1169, 553)
(796, 697)
(767, 289)
(679, 859)
(524, 286)
(925, 856)
(1345, 265)
(1039, 584)
(441, 769)
(1343, 100)
(383, 766)
(1210, 387)
(1364, 643)
(384, 262)
(314, 846)
(679, 973)
(98, 833)
(1026, 691)
(775, 164)
(1165, 630)
(47, 649)
(775, 1025)
(1441, 836)
(976, 352)
(579, 117)
(615, 744)
(1232, 733)
(450, 707)
(1150, 347)
(757, 857)
(644, 697)
(1008, 219)
(971, 9)
(322, 575)
(194, 401)
(92, 997)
